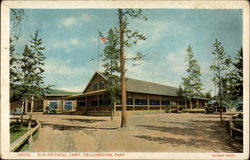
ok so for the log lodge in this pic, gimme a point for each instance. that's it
(141, 96)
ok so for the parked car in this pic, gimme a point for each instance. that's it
(213, 106)
(16, 111)
(50, 110)
(239, 106)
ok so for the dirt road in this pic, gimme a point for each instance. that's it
(147, 133)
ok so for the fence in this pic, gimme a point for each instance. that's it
(232, 128)
(26, 137)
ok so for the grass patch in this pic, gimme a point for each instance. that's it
(16, 131)
(238, 123)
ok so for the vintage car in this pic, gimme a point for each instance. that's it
(50, 110)
(213, 106)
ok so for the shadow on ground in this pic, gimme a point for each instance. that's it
(200, 133)
(84, 120)
(69, 127)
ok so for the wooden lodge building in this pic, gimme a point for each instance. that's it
(141, 96)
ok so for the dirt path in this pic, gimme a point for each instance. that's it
(147, 133)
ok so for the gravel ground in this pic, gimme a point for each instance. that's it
(167, 132)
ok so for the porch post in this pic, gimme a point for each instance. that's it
(61, 105)
(98, 104)
(86, 103)
(148, 101)
(160, 103)
(133, 101)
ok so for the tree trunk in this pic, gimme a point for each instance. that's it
(220, 98)
(186, 105)
(22, 107)
(31, 111)
(190, 102)
(122, 68)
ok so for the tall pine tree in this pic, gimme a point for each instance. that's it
(192, 82)
(111, 66)
(221, 65)
(128, 38)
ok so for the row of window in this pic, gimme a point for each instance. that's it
(68, 105)
(95, 85)
(129, 102)
(95, 103)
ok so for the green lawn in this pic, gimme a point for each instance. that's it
(16, 131)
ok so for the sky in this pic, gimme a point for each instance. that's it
(70, 37)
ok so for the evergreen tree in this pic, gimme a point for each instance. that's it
(128, 38)
(111, 66)
(239, 71)
(197, 85)
(222, 63)
(192, 83)
(188, 81)
(28, 75)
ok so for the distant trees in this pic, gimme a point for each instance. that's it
(192, 82)
(233, 80)
(221, 65)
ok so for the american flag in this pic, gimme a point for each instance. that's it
(102, 38)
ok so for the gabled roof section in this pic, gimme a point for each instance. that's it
(140, 86)
(99, 73)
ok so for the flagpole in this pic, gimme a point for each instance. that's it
(98, 51)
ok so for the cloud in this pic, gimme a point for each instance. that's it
(70, 21)
(64, 67)
(68, 45)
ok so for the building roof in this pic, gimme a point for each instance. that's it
(141, 86)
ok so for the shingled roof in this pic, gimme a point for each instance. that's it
(140, 86)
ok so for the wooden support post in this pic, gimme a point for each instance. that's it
(61, 105)
(26, 106)
(160, 103)
(86, 103)
(148, 101)
(133, 101)
(98, 104)
(170, 106)
(114, 106)
(30, 141)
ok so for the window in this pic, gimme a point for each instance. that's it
(129, 101)
(94, 86)
(165, 102)
(54, 104)
(140, 101)
(81, 103)
(93, 103)
(154, 102)
(101, 85)
(68, 105)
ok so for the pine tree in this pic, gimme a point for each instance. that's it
(36, 70)
(222, 64)
(188, 81)
(192, 83)
(28, 74)
(197, 84)
(111, 66)
(128, 38)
